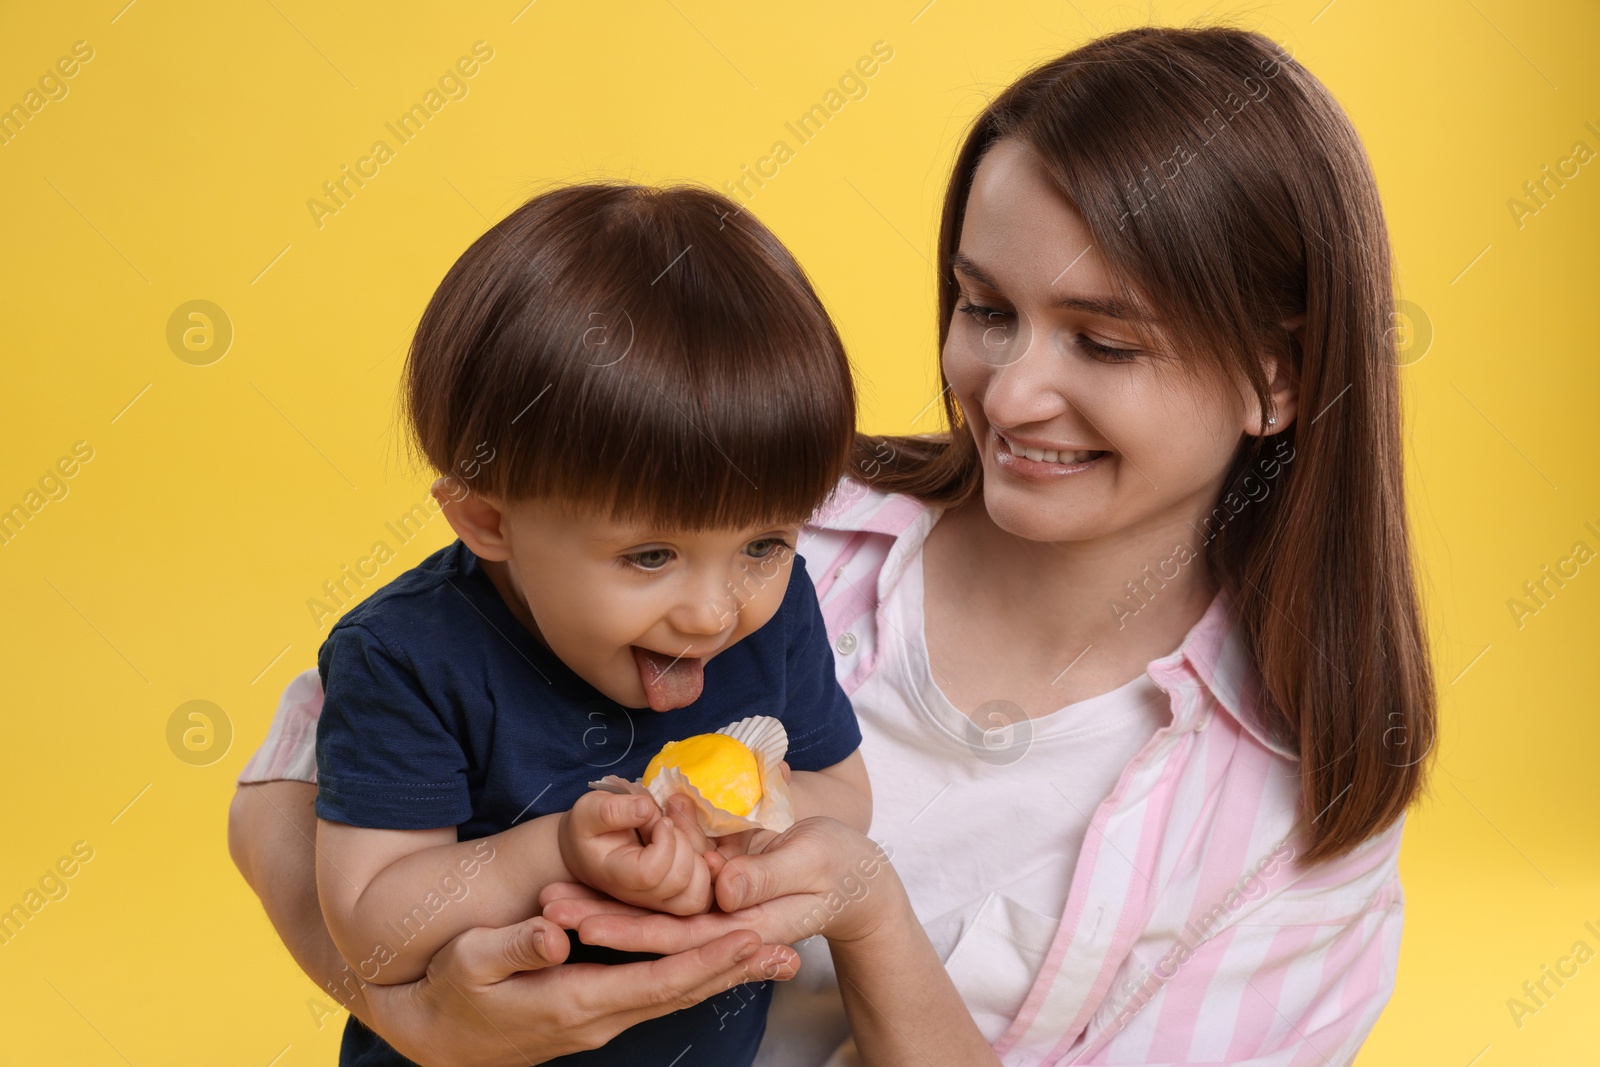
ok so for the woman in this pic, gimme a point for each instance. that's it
(1136, 649)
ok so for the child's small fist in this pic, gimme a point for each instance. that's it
(598, 823)
(624, 846)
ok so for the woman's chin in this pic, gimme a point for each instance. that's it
(1031, 516)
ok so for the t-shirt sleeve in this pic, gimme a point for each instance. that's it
(821, 723)
(386, 759)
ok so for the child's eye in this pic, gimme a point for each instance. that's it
(1106, 353)
(765, 547)
(651, 559)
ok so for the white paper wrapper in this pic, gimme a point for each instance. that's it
(769, 741)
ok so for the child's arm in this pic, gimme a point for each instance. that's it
(392, 898)
(840, 792)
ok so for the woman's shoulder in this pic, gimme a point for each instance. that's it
(856, 527)
(855, 546)
(289, 751)
(856, 507)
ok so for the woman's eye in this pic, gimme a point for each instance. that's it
(652, 559)
(987, 315)
(1108, 353)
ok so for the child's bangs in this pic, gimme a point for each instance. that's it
(653, 352)
(726, 437)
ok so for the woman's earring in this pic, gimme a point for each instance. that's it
(1272, 420)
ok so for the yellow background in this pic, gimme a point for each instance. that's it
(178, 168)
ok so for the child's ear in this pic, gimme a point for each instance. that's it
(1285, 389)
(477, 520)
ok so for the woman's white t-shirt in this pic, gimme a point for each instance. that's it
(984, 821)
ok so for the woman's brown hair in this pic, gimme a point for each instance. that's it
(652, 351)
(1226, 187)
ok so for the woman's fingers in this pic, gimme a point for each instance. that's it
(763, 963)
(813, 856)
(780, 871)
(760, 840)
(568, 911)
(667, 934)
(735, 844)
(492, 998)
(570, 890)
(655, 932)
(685, 979)
(566, 904)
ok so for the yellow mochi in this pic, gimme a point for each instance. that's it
(722, 768)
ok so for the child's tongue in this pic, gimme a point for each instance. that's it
(669, 681)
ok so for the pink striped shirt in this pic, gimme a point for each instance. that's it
(1191, 934)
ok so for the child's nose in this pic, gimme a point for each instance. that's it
(707, 612)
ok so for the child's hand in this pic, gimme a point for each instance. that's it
(624, 846)
(716, 850)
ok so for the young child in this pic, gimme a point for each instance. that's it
(636, 399)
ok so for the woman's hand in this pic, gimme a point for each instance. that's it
(817, 877)
(495, 997)
(492, 996)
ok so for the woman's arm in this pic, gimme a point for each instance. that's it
(491, 997)
(820, 877)
(1241, 996)
(271, 829)
(902, 1006)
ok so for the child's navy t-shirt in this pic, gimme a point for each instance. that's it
(442, 709)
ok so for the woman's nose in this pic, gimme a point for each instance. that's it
(1029, 387)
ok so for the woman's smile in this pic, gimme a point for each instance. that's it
(1025, 459)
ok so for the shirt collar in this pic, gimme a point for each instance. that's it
(1214, 648)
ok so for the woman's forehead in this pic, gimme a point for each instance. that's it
(1019, 232)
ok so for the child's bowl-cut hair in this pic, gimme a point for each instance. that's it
(655, 352)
